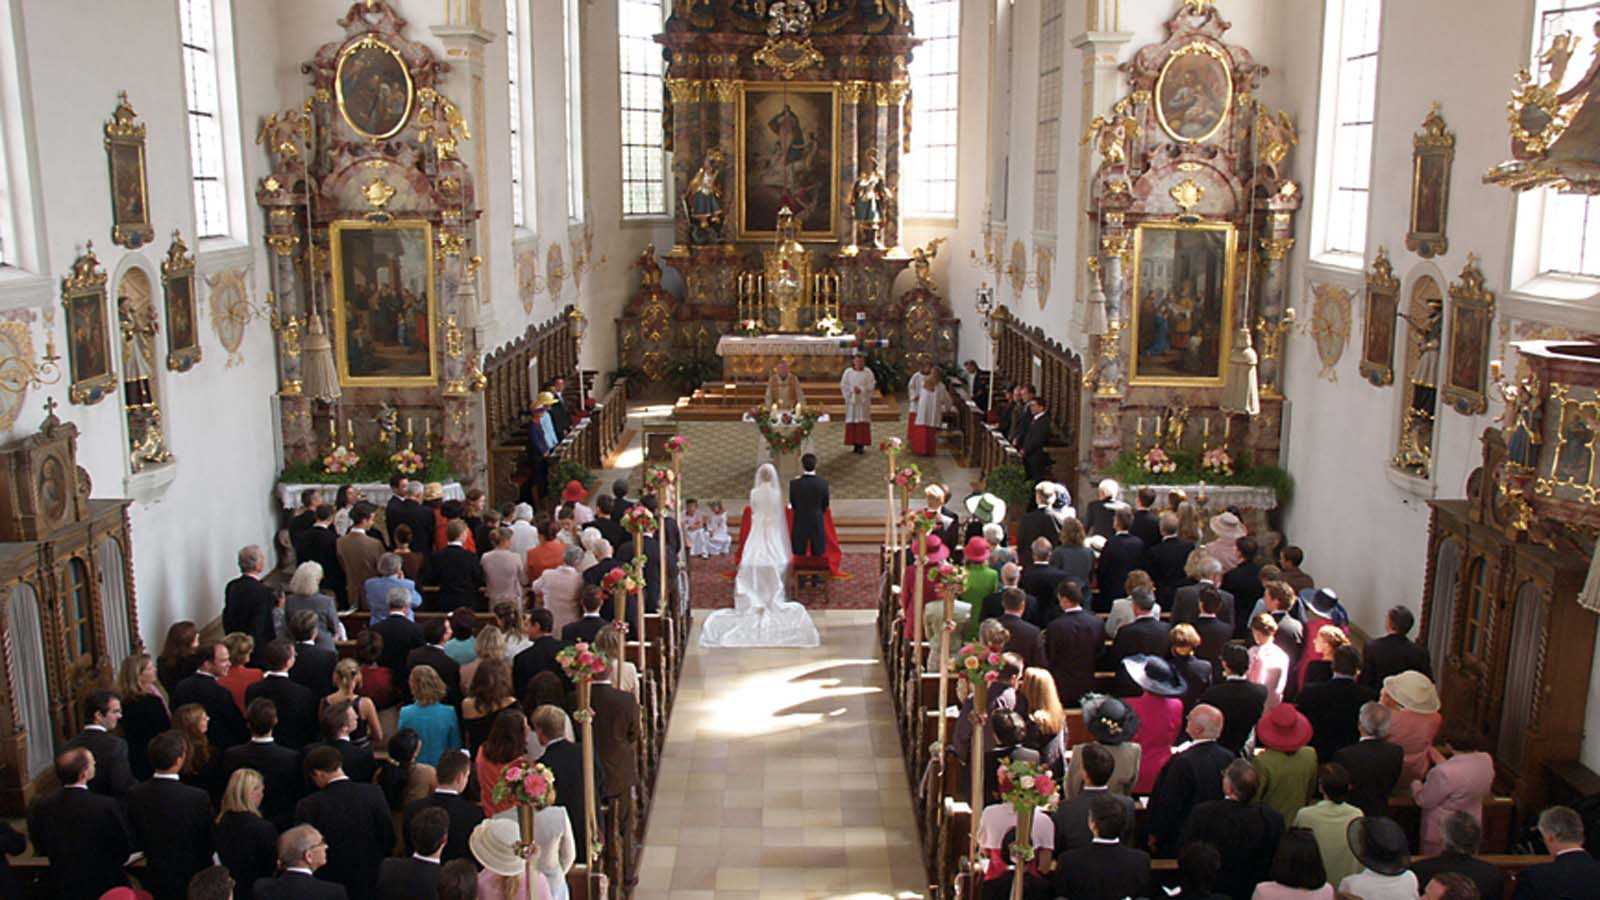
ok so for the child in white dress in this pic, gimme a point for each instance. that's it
(717, 541)
(694, 526)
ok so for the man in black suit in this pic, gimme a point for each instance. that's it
(419, 516)
(1072, 642)
(301, 852)
(565, 760)
(1394, 652)
(312, 665)
(1037, 523)
(1118, 557)
(1021, 412)
(1146, 634)
(1462, 837)
(1244, 833)
(227, 725)
(1105, 867)
(651, 548)
(401, 635)
(588, 625)
(808, 497)
(1099, 517)
(310, 499)
(1290, 635)
(1244, 580)
(353, 817)
(1186, 599)
(619, 498)
(417, 877)
(605, 561)
(1374, 763)
(1333, 707)
(1146, 526)
(1166, 560)
(320, 544)
(1027, 639)
(294, 705)
(283, 781)
(1010, 577)
(247, 603)
(84, 835)
(339, 720)
(456, 572)
(616, 738)
(1072, 816)
(1034, 458)
(538, 656)
(171, 821)
(1187, 780)
(1573, 872)
(1213, 630)
(113, 775)
(1241, 701)
(436, 632)
(453, 769)
(1040, 580)
(605, 522)
(394, 511)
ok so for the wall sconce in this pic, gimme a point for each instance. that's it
(990, 260)
(18, 373)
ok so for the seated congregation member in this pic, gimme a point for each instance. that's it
(1296, 872)
(1241, 700)
(171, 822)
(1072, 815)
(313, 663)
(301, 852)
(1374, 762)
(83, 834)
(1186, 600)
(1182, 642)
(276, 766)
(246, 843)
(540, 654)
(113, 775)
(463, 643)
(1245, 834)
(1159, 706)
(1334, 706)
(1284, 761)
(453, 771)
(1072, 642)
(339, 722)
(144, 709)
(227, 723)
(1166, 560)
(403, 779)
(294, 703)
(391, 577)
(1395, 652)
(1145, 635)
(1462, 835)
(1461, 778)
(587, 627)
(1269, 664)
(1120, 555)
(1329, 821)
(347, 689)
(1113, 725)
(1414, 720)
(400, 633)
(241, 649)
(1122, 609)
(1105, 869)
(304, 595)
(1190, 778)
(455, 571)
(490, 693)
(417, 877)
(353, 818)
(1379, 844)
(1573, 872)
(507, 741)
(430, 715)
(436, 636)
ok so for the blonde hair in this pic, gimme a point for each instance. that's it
(128, 688)
(1184, 639)
(992, 634)
(1188, 521)
(240, 646)
(1197, 558)
(609, 640)
(236, 796)
(346, 675)
(306, 580)
(1138, 578)
(490, 643)
(427, 688)
(1332, 637)
(1044, 705)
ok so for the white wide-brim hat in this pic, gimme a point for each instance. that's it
(494, 845)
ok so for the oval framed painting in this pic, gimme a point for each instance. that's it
(374, 88)
(1194, 93)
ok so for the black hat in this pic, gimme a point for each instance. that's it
(1109, 720)
(1379, 843)
(1155, 675)
(1322, 601)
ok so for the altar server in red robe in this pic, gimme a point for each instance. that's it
(858, 384)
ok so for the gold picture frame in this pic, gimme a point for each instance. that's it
(1464, 382)
(178, 296)
(1194, 92)
(1378, 334)
(83, 296)
(385, 310)
(130, 190)
(1433, 151)
(1182, 302)
(374, 89)
(792, 115)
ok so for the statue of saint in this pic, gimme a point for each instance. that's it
(869, 200)
(704, 201)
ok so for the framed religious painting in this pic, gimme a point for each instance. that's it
(383, 303)
(1383, 302)
(788, 155)
(177, 291)
(1183, 289)
(83, 296)
(374, 89)
(1433, 151)
(1194, 92)
(130, 194)
(1471, 318)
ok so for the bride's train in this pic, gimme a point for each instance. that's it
(761, 615)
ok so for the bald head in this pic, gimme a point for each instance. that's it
(1205, 723)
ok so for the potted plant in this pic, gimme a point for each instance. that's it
(890, 373)
(689, 373)
(1010, 483)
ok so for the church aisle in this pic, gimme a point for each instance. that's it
(782, 777)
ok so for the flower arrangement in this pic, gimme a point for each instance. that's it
(1217, 461)
(638, 520)
(677, 443)
(891, 444)
(660, 476)
(582, 662)
(340, 459)
(1157, 462)
(407, 461)
(751, 328)
(802, 422)
(907, 476)
(829, 326)
(977, 663)
(950, 578)
(1027, 786)
(625, 577)
(921, 521)
(525, 784)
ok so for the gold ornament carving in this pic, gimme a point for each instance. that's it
(724, 89)
(1277, 248)
(283, 244)
(685, 90)
(1187, 194)
(378, 193)
(788, 57)
(892, 93)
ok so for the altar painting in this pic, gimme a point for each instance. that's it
(1183, 303)
(374, 88)
(1194, 93)
(383, 303)
(788, 156)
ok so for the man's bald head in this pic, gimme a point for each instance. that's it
(1205, 722)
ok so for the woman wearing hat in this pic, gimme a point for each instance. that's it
(936, 553)
(1286, 762)
(983, 508)
(575, 493)
(981, 582)
(1414, 720)
(1160, 710)
(1113, 725)
(1322, 613)
(1380, 846)
(505, 871)
(1224, 547)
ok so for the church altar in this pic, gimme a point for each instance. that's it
(750, 358)
(378, 493)
(787, 464)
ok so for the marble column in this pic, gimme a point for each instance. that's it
(890, 96)
(851, 93)
(687, 154)
(1102, 87)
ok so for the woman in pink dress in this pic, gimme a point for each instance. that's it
(937, 553)
(507, 874)
(1160, 711)
(1414, 720)
(1462, 775)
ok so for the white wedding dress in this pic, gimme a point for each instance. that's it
(761, 617)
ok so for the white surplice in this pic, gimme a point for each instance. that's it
(858, 388)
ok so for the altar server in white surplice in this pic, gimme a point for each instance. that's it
(926, 395)
(858, 384)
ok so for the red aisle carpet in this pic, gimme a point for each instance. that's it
(711, 588)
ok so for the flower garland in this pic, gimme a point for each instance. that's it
(921, 521)
(951, 579)
(631, 581)
(1157, 462)
(1027, 786)
(780, 443)
(977, 663)
(583, 661)
(907, 476)
(525, 784)
(638, 520)
(1217, 461)
(407, 461)
(340, 459)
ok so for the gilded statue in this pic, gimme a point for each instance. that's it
(1523, 421)
(704, 201)
(869, 202)
(1110, 137)
(1177, 422)
(1556, 58)
(921, 258)
(1274, 139)
(649, 270)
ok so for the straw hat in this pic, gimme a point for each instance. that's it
(987, 508)
(1378, 843)
(547, 399)
(1154, 674)
(494, 844)
(433, 490)
(1227, 527)
(574, 492)
(976, 550)
(1284, 729)
(1412, 691)
(1109, 720)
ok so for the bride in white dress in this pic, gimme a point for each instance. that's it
(761, 617)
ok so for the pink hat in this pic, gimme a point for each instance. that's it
(976, 551)
(936, 550)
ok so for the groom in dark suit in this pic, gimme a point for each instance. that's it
(808, 496)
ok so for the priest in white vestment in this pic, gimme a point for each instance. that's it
(783, 389)
(858, 384)
(926, 395)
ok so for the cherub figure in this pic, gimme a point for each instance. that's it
(1557, 56)
(1274, 139)
(921, 258)
(1110, 137)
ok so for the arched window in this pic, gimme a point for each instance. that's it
(211, 91)
(517, 118)
(572, 61)
(1476, 644)
(28, 678)
(1442, 603)
(78, 613)
(644, 153)
(114, 600)
(1344, 130)
(930, 168)
(1047, 140)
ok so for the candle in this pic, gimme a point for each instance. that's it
(1138, 432)
(1205, 434)
(1494, 369)
(408, 426)
(427, 427)
(1227, 430)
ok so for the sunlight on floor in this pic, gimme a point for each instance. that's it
(782, 699)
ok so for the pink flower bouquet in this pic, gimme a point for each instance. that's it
(1217, 461)
(1157, 462)
(893, 444)
(977, 663)
(406, 462)
(638, 520)
(583, 661)
(525, 784)
(951, 579)
(677, 443)
(1027, 785)
(340, 459)
(907, 477)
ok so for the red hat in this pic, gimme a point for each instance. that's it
(574, 492)
(1284, 729)
(976, 551)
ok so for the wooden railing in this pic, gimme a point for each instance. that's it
(1059, 381)
(512, 387)
(593, 441)
(983, 447)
